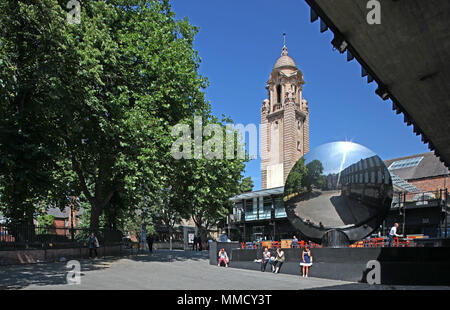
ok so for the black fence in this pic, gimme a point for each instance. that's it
(34, 237)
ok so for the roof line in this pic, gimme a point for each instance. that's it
(316, 12)
(410, 156)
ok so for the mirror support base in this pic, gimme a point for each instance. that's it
(335, 238)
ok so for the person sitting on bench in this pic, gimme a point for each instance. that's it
(223, 258)
(278, 262)
(265, 259)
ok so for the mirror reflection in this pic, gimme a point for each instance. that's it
(337, 185)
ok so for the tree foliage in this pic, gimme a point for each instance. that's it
(295, 179)
(246, 185)
(303, 177)
(87, 108)
(313, 175)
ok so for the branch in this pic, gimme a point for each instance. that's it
(79, 172)
(106, 200)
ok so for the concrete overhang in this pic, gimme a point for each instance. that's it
(407, 54)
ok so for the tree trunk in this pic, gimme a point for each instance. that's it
(203, 235)
(95, 217)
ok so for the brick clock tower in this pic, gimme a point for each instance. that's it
(284, 122)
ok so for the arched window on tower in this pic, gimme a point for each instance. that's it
(279, 94)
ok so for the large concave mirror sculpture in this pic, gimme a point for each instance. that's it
(338, 186)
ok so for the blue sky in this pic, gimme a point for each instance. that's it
(239, 42)
(336, 156)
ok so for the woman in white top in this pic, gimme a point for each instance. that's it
(265, 259)
(223, 258)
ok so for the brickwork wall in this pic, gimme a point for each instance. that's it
(290, 139)
(292, 111)
(431, 184)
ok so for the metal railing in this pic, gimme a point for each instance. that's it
(427, 199)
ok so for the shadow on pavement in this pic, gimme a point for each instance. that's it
(171, 256)
(43, 274)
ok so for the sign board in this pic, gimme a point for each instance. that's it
(191, 238)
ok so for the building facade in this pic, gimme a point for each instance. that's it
(284, 122)
(419, 204)
(259, 215)
(422, 206)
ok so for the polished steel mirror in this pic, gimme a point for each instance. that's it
(339, 186)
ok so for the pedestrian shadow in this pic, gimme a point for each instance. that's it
(43, 274)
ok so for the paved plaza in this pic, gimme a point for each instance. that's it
(162, 270)
(333, 210)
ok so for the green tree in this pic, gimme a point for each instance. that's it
(313, 175)
(246, 185)
(295, 180)
(138, 77)
(204, 186)
(31, 39)
(87, 110)
(91, 103)
(45, 221)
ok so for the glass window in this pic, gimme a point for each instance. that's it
(406, 163)
(380, 177)
(372, 177)
(265, 207)
(280, 212)
(250, 210)
(279, 93)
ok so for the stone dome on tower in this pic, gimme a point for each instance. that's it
(285, 60)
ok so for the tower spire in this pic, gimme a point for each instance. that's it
(284, 52)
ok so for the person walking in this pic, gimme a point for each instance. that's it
(93, 245)
(194, 245)
(199, 243)
(265, 259)
(150, 242)
(306, 260)
(279, 260)
(294, 242)
(392, 234)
